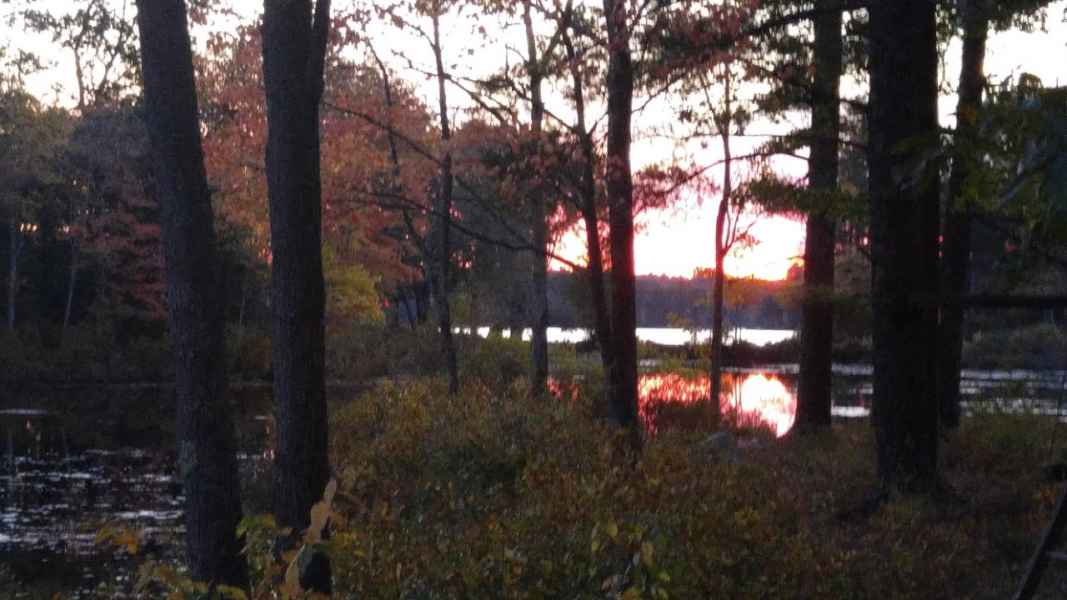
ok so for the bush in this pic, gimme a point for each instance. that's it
(494, 360)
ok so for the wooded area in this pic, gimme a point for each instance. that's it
(298, 185)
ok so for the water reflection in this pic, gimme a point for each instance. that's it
(748, 399)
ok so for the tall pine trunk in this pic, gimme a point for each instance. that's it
(622, 377)
(539, 304)
(956, 251)
(206, 446)
(817, 322)
(441, 271)
(294, 45)
(903, 161)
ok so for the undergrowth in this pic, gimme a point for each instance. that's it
(495, 494)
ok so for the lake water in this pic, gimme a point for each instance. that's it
(666, 336)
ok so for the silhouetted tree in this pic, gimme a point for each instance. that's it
(904, 164)
(816, 332)
(294, 46)
(622, 377)
(206, 449)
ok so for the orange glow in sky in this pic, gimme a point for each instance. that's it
(677, 241)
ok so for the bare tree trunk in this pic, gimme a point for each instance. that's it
(539, 305)
(206, 447)
(71, 281)
(294, 45)
(816, 328)
(241, 308)
(12, 270)
(904, 249)
(620, 87)
(956, 252)
(719, 283)
(595, 271)
(440, 272)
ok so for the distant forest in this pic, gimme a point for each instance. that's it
(676, 301)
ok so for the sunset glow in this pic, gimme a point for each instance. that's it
(676, 242)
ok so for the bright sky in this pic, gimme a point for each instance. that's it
(673, 241)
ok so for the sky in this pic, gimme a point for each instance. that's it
(673, 241)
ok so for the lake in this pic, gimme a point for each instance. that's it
(666, 336)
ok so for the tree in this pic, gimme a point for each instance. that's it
(103, 48)
(294, 47)
(206, 448)
(439, 246)
(727, 233)
(622, 376)
(904, 165)
(816, 332)
(102, 44)
(975, 18)
(956, 250)
(441, 271)
(30, 138)
(587, 195)
(539, 346)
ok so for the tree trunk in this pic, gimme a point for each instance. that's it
(816, 328)
(595, 271)
(539, 304)
(620, 87)
(443, 198)
(904, 251)
(71, 281)
(956, 251)
(206, 446)
(12, 270)
(294, 47)
(719, 282)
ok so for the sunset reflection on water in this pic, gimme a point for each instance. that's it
(674, 400)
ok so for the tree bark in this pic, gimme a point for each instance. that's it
(620, 87)
(294, 45)
(817, 320)
(206, 446)
(443, 198)
(904, 247)
(956, 249)
(539, 304)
